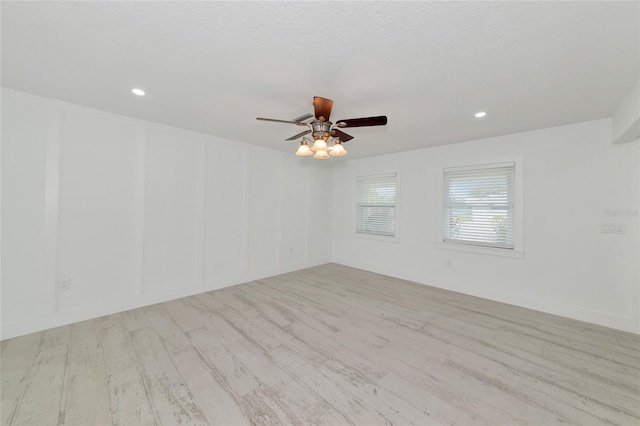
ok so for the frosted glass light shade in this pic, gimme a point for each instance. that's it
(338, 150)
(319, 145)
(321, 155)
(304, 150)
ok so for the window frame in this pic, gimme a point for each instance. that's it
(518, 217)
(370, 235)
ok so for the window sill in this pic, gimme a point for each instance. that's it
(386, 238)
(518, 254)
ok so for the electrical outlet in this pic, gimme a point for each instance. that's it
(64, 285)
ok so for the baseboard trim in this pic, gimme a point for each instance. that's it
(35, 324)
(605, 319)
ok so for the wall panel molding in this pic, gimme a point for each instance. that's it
(140, 178)
(201, 167)
(218, 241)
(52, 188)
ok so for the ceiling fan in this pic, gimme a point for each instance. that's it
(322, 129)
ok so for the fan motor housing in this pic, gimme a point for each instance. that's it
(321, 129)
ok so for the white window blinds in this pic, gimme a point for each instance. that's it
(478, 205)
(376, 205)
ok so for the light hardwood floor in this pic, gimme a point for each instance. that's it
(327, 345)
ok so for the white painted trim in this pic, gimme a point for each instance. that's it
(307, 195)
(34, 324)
(634, 302)
(385, 238)
(150, 125)
(280, 209)
(474, 166)
(49, 296)
(1, 210)
(470, 248)
(245, 214)
(330, 212)
(398, 211)
(200, 224)
(140, 179)
(518, 205)
(606, 319)
(139, 295)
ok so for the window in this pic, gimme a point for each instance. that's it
(479, 205)
(377, 205)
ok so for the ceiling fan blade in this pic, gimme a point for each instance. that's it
(306, 132)
(281, 121)
(322, 107)
(363, 122)
(336, 133)
(303, 117)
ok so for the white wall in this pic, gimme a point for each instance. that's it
(134, 213)
(626, 120)
(572, 176)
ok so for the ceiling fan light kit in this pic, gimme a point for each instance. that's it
(319, 145)
(321, 155)
(303, 149)
(323, 130)
(337, 150)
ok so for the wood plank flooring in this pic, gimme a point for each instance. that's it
(329, 345)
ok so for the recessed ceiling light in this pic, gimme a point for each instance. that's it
(480, 114)
(138, 92)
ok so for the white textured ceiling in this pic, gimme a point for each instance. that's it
(429, 66)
